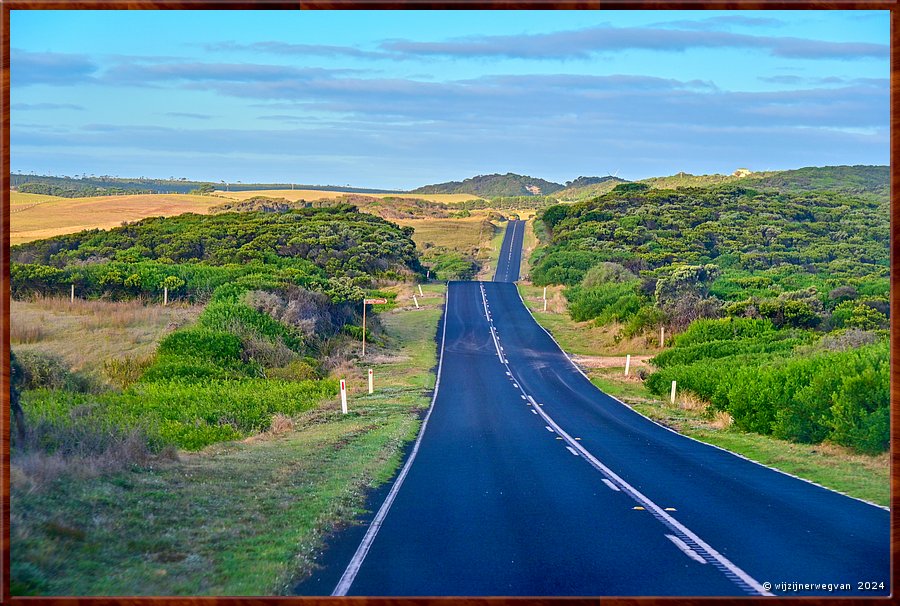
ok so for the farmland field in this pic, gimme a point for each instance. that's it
(457, 234)
(50, 216)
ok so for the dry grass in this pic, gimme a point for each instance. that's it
(314, 194)
(86, 334)
(281, 424)
(688, 400)
(462, 235)
(26, 333)
(721, 420)
(34, 469)
(69, 215)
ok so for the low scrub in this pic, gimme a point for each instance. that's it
(842, 397)
(189, 414)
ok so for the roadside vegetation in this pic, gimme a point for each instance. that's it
(263, 318)
(243, 517)
(779, 300)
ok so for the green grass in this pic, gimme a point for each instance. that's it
(239, 518)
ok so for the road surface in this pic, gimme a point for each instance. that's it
(510, 253)
(527, 480)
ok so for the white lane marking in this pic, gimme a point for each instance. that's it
(728, 568)
(572, 450)
(611, 485)
(687, 550)
(516, 385)
(523, 397)
(356, 561)
(659, 512)
(548, 428)
(533, 411)
(740, 456)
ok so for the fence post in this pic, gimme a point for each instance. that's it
(343, 396)
(371, 381)
(673, 392)
(627, 363)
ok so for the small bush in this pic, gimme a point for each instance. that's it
(723, 329)
(298, 370)
(216, 346)
(124, 371)
(44, 370)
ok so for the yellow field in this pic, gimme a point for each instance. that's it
(456, 234)
(20, 199)
(314, 194)
(55, 216)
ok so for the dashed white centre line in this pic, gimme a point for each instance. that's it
(687, 550)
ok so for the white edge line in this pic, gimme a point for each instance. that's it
(740, 456)
(687, 550)
(576, 448)
(646, 502)
(356, 561)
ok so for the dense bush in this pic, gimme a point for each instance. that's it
(136, 258)
(839, 396)
(187, 413)
(36, 370)
(703, 331)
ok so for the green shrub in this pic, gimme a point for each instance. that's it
(722, 329)
(45, 370)
(215, 346)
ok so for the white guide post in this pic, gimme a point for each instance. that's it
(421, 294)
(662, 335)
(73, 294)
(416, 301)
(673, 392)
(545, 298)
(343, 396)
(371, 381)
(627, 363)
(165, 295)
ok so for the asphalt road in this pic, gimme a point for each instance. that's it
(510, 253)
(527, 480)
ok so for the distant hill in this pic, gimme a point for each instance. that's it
(494, 186)
(688, 180)
(583, 188)
(852, 180)
(843, 179)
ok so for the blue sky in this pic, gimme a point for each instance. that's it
(401, 99)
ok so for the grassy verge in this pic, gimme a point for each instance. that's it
(529, 243)
(239, 518)
(861, 476)
(490, 252)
